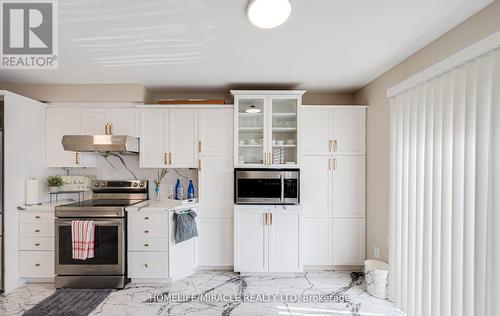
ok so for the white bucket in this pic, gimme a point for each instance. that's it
(376, 278)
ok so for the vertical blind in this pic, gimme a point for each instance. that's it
(445, 193)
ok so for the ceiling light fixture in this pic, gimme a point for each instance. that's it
(268, 14)
(252, 109)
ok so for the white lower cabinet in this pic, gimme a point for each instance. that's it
(285, 244)
(36, 244)
(36, 264)
(348, 241)
(216, 242)
(317, 241)
(183, 256)
(152, 251)
(267, 239)
(145, 265)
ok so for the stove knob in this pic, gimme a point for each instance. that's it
(103, 184)
(142, 184)
(134, 184)
(96, 184)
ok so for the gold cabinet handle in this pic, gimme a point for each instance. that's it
(37, 244)
(330, 145)
(335, 164)
(110, 129)
(265, 159)
(265, 218)
(37, 264)
(37, 230)
(199, 146)
(146, 231)
(166, 158)
(77, 158)
(146, 245)
(271, 219)
(146, 218)
(270, 159)
(169, 158)
(37, 217)
(330, 164)
(334, 145)
(199, 164)
(146, 265)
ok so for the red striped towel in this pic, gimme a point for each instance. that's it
(82, 237)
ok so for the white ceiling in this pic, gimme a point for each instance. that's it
(337, 45)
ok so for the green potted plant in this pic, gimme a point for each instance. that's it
(54, 183)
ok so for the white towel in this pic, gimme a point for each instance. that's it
(82, 237)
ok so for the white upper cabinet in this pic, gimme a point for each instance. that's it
(94, 121)
(183, 138)
(153, 151)
(169, 138)
(115, 121)
(215, 132)
(349, 125)
(316, 131)
(60, 122)
(333, 130)
(124, 122)
(266, 128)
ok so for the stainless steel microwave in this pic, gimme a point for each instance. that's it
(266, 186)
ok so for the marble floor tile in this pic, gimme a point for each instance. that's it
(228, 293)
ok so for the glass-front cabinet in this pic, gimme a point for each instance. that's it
(266, 128)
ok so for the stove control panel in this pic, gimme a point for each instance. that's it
(119, 185)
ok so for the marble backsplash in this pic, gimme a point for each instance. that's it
(113, 169)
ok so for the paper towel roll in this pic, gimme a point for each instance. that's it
(32, 196)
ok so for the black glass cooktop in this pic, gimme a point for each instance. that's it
(101, 203)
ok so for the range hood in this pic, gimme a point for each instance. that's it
(118, 144)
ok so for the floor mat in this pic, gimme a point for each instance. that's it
(70, 302)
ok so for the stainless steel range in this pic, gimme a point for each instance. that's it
(107, 209)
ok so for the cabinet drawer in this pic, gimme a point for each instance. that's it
(36, 264)
(147, 264)
(36, 217)
(37, 243)
(157, 218)
(148, 244)
(37, 230)
(149, 231)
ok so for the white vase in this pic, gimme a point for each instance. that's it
(53, 189)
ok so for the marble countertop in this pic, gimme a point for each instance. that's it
(162, 205)
(45, 206)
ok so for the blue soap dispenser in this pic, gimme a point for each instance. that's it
(190, 190)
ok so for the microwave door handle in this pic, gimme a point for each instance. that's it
(282, 180)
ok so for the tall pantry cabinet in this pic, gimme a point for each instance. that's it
(333, 184)
(215, 150)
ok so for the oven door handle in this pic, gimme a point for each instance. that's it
(108, 222)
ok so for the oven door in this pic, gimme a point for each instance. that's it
(109, 248)
(258, 187)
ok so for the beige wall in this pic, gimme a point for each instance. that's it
(477, 27)
(78, 92)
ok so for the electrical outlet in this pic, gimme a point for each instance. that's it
(376, 252)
